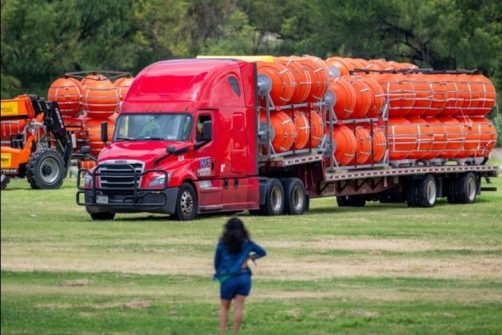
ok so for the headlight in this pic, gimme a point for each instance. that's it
(159, 180)
(88, 182)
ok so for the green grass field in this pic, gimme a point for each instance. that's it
(382, 269)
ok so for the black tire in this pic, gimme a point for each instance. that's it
(186, 204)
(5, 181)
(351, 201)
(45, 169)
(274, 199)
(465, 189)
(294, 196)
(426, 192)
(102, 216)
(411, 197)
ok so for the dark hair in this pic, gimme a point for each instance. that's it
(234, 235)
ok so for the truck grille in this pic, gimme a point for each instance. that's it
(120, 176)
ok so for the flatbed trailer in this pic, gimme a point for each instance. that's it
(219, 157)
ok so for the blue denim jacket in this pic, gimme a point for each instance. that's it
(227, 263)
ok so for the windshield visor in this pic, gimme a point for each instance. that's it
(163, 127)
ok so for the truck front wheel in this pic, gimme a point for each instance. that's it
(186, 203)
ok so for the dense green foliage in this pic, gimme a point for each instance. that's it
(42, 39)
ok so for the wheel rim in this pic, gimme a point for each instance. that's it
(276, 199)
(186, 203)
(298, 199)
(431, 193)
(471, 189)
(49, 170)
(3, 178)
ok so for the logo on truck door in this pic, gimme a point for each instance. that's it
(205, 166)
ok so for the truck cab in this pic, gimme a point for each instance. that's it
(184, 143)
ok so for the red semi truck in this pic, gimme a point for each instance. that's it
(189, 141)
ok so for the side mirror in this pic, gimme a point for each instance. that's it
(207, 131)
(85, 149)
(104, 132)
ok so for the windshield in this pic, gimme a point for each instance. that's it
(171, 127)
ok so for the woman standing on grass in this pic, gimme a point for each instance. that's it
(233, 252)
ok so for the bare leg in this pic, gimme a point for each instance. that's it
(238, 312)
(225, 307)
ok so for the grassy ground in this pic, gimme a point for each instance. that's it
(382, 269)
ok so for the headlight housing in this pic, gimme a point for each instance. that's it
(88, 180)
(159, 180)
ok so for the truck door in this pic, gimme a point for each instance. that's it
(205, 163)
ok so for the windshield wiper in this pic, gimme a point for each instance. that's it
(124, 139)
(155, 138)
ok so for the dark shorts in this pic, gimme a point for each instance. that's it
(235, 285)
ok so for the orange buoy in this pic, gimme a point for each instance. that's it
(345, 97)
(281, 79)
(379, 144)
(439, 138)
(341, 65)
(480, 137)
(67, 92)
(439, 95)
(402, 137)
(377, 97)
(345, 145)
(455, 137)
(283, 130)
(94, 129)
(363, 96)
(300, 75)
(122, 85)
(319, 73)
(316, 128)
(12, 127)
(483, 95)
(100, 98)
(86, 165)
(302, 128)
(400, 93)
(425, 138)
(363, 146)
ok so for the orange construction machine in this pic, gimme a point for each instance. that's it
(35, 142)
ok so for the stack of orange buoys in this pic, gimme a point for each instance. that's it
(85, 104)
(294, 85)
(67, 92)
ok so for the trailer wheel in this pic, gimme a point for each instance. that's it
(45, 169)
(426, 192)
(294, 194)
(464, 190)
(351, 201)
(5, 181)
(102, 216)
(186, 203)
(411, 197)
